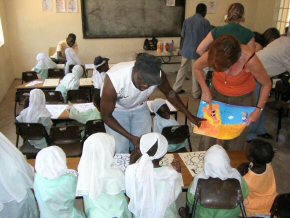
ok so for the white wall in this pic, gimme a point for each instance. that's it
(6, 67)
(31, 31)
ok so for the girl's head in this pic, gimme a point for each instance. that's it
(259, 152)
(270, 35)
(235, 13)
(78, 71)
(36, 98)
(50, 162)
(160, 107)
(223, 53)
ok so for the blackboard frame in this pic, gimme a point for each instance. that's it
(87, 35)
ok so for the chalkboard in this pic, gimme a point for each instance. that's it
(131, 18)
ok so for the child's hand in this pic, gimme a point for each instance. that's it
(176, 165)
(243, 168)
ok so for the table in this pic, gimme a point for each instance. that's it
(166, 57)
(237, 158)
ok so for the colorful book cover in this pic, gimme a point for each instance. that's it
(224, 121)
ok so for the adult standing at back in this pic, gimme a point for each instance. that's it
(235, 16)
(194, 29)
(70, 42)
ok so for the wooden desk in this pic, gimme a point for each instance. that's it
(237, 157)
(166, 57)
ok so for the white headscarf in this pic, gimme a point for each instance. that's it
(71, 59)
(71, 81)
(16, 175)
(156, 104)
(97, 172)
(141, 178)
(217, 164)
(50, 162)
(44, 62)
(36, 108)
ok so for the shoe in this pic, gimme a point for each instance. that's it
(180, 92)
(266, 136)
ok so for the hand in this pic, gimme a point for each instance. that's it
(176, 165)
(243, 168)
(196, 120)
(254, 117)
(136, 142)
(206, 96)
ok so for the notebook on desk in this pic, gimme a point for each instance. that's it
(51, 83)
(86, 81)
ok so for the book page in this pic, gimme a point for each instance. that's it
(35, 82)
(56, 109)
(193, 161)
(84, 106)
(86, 81)
(51, 83)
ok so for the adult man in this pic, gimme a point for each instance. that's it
(193, 32)
(126, 89)
(59, 55)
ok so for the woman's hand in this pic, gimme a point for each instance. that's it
(136, 142)
(206, 96)
(254, 116)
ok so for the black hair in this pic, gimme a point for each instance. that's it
(271, 34)
(259, 39)
(72, 36)
(201, 9)
(152, 151)
(261, 151)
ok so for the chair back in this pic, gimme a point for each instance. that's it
(55, 73)
(94, 126)
(53, 97)
(177, 134)
(219, 194)
(28, 76)
(20, 98)
(281, 206)
(79, 96)
(96, 97)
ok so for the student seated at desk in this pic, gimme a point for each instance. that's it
(260, 178)
(71, 81)
(43, 64)
(153, 189)
(101, 67)
(36, 112)
(101, 184)
(216, 165)
(163, 119)
(16, 183)
(71, 59)
(84, 116)
(55, 185)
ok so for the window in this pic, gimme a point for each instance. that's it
(1, 34)
(283, 17)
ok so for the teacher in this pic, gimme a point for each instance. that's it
(127, 87)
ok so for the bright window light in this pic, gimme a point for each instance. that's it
(1, 34)
(283, 18)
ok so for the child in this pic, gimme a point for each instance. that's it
(101, 67)
(153, 189)
(16, 182)
(101, 184)
(43, 64)
(71, 81)
(163, 119)
(260, 178)
(71, 59)
(36, 112)
(216, 165)
(55, 185)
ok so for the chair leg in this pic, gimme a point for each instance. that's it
(194, 207)
(189, 144)
(280, 112)
(17, 140)
(243, 210)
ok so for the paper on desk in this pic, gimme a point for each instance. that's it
(122, 161)
(89, 66)
(84, 106)
(51, 82)
(60, 66)
(86, 81)
(171, 107)
(35, 82)
(56, 109)
(193, 161)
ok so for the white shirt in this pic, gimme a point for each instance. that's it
(276, 56)
(98, 79)
(128, 96)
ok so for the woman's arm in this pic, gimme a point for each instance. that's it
(203, 46)
(252, 43)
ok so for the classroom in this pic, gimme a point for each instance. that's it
(27, 29)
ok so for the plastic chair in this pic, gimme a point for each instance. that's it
(69, 139)
(281, 206)
(177, 134)
(94, 126)
(20, 97)
(218, 194)
(28, 76)
(79, 96)
(30, 131)
(53, 97)
(55, 73)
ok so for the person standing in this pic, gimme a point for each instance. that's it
(194, 30)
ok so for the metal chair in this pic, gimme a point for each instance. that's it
(20, 98)
(28, 76)
(94, 126)
(53, 97)
(79, 96)
(218, 194)
(281, 206)
(55, 73)
(95, 96)
(30, 131)
(69, 139)
(177, 134)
